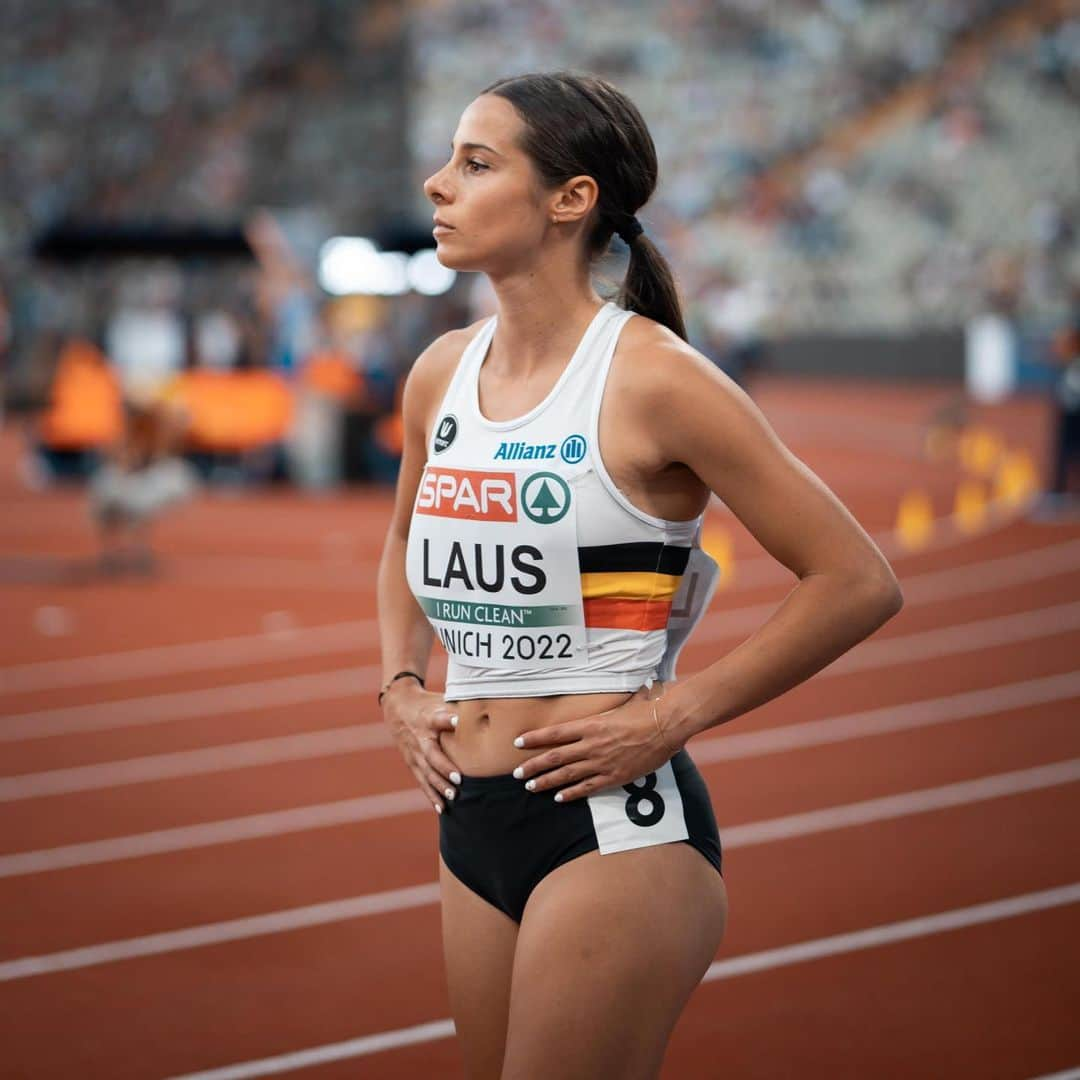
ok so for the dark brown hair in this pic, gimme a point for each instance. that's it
(582, 125)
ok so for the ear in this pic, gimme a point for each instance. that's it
(574, 200)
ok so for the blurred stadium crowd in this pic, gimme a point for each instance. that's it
(836, 166)
(909, 229)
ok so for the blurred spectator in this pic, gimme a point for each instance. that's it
(1064, 489)
(886, 236)
(735, 314)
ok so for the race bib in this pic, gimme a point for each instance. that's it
(492, 560)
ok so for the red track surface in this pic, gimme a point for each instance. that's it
(248, 582)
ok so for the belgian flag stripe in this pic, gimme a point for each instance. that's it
(629, 586)
(613, 614)
(657, 558)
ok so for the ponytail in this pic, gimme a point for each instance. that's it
(649, 287)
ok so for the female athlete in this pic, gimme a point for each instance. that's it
(557, 462)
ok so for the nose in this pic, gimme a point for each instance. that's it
(434, 188)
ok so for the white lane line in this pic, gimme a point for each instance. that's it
(333, 1052)
(342, 1051)
(974, 579)
(950, 640)
(985, 576)
(989, 575)
(285, 691)
(211, 759)
(889, 718)
(300, 641)
(192, 937)
(750, 834)
(910, 802)
(874, 936)
(211, 833)
(732, 747)
(769, 959)
(346, 682)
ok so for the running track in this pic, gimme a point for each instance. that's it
(210, 855)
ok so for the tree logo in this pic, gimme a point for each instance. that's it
(545, 497)
(445, 433)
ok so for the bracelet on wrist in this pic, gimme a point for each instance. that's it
(660, 731)
(400, 675)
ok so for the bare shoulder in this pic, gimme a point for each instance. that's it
(666, 385)
(651, 357)
(432, 371)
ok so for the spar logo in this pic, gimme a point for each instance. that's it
(468, 493)
(545, 497)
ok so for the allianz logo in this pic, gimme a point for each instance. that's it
(572, 450)
(521, 451)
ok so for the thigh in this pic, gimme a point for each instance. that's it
(609, 950)
(478, 949)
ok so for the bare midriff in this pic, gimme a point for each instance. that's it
(483, 744)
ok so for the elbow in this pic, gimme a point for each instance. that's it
(886, 596)
(875, 593)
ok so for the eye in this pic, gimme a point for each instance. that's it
(478, 164)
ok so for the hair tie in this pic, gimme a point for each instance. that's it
(628, 228)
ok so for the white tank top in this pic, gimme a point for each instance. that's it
(537, 574)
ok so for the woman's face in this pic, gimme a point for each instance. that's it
(488, 192)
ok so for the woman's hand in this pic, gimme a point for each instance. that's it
(596, 752)
(417, 721)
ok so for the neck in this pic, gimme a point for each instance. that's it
(541, 318)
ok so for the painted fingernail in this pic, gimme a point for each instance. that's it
(449, 792)
(453, 721)
(456, 777)
(558, 798)
(519, 772)
(519, 742)
(530, 785)
(438, 808)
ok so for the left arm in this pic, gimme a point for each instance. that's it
(846, 588)
(691, 415)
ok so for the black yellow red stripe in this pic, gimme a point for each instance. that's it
(648, 556)
(614, 614)
(630, 586)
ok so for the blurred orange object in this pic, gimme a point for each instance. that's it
(84, 402)
(330, 373)
(390, 430)
(234, 411)
(390, 434)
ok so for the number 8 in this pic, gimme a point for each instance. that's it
(646, 793)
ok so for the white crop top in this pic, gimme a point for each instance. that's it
(537, 574)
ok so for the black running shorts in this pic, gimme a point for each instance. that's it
(501, 840)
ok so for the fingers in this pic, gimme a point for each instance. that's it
(440, 784)
(439, 772)
(585, 788)
(441, 764)
(444, 719)
(551, 759)
(581, 772)
(431, 792)
(555, 735)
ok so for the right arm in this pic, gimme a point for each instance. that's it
(416, 717)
